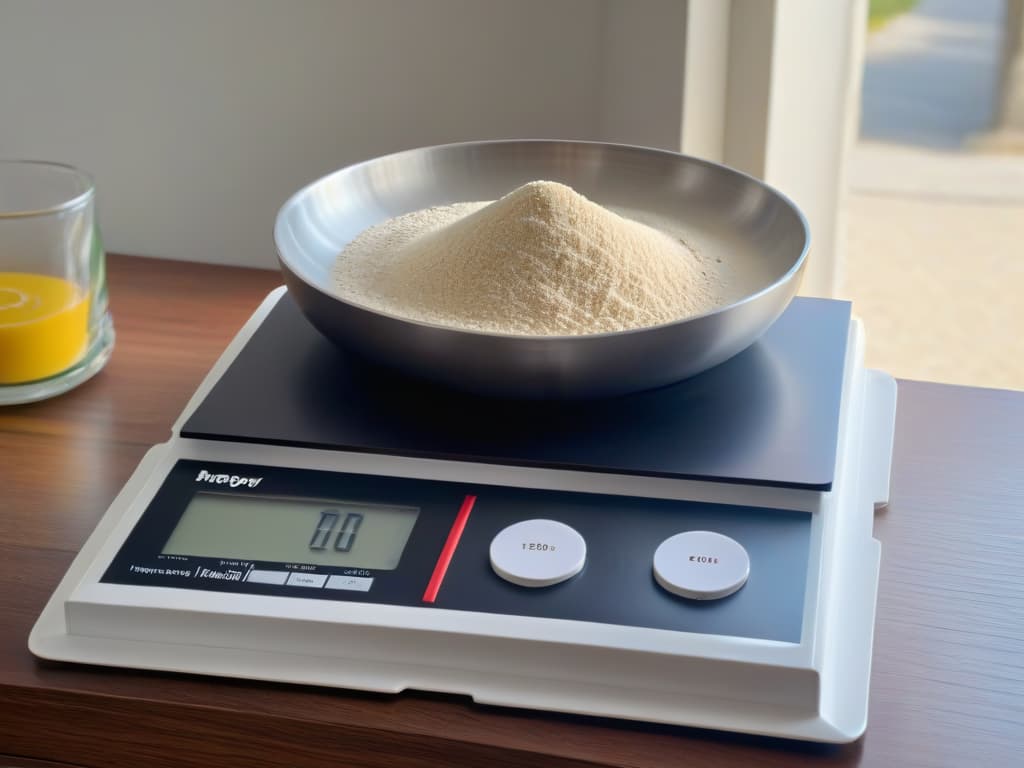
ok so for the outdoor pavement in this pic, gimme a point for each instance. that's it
(935, 247)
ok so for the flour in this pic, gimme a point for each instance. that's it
(543, 260)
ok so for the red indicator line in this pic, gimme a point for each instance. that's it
(449, 549)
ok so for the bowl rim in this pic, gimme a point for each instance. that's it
(71, 203)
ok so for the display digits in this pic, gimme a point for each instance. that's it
(325, 526)
(347, 535)
(322, 534)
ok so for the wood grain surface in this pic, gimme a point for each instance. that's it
(948, 679)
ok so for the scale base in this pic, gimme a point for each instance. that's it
(814, 690)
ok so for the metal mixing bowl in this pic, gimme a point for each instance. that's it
(760, 233)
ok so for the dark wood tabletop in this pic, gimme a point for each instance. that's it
(947, 687)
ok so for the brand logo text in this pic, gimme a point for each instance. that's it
(234, 481)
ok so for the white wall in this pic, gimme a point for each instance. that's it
(199, 117)
(641, 100)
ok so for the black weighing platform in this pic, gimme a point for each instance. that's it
(769, 416)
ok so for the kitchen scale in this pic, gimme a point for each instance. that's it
(699, 554)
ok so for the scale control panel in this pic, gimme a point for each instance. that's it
(680, 565)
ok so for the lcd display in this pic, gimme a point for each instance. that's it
(293, 530)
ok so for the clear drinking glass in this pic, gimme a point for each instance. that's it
(55, 327)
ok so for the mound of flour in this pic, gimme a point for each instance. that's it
(543, 260)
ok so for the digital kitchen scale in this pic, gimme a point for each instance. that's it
(700, 554)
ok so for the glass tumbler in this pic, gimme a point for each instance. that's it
(55, 327)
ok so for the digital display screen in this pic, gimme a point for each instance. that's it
(290, 530)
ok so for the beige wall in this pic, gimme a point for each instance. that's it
(199, 117)
(641, 98)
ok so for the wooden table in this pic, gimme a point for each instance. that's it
(948, 681)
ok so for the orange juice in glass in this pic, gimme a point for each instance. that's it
(55, 330)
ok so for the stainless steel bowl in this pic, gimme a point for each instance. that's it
(760, 232)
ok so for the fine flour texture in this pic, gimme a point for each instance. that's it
(543, 260)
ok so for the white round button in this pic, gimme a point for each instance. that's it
(701, 565)
(538, 553)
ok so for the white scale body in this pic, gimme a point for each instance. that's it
(813, 687)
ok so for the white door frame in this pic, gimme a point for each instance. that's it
(772, 88)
